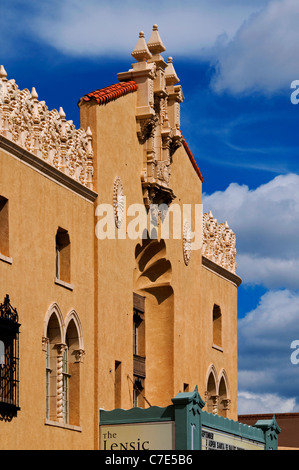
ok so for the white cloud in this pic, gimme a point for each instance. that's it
(266, 371)
(254, 403)
(271, 272)
(262, 55)
(253, 43)
(94, 28)
(266, 222)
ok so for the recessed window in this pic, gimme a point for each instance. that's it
(4, 227)
(117, 384)
(217, 326)
(138, 350)
(138, 388)
(63, 256)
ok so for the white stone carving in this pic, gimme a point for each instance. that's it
(219, 243)
(118, 202)
(47, 134)
(61, 348)
(187, 242)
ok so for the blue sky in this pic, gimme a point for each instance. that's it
(236, 61)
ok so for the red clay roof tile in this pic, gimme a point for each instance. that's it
(110, 93)
(192, 159)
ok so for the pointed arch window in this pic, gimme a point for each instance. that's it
(72, 375)
(217, 392)
(63, 344)
(53, 340)
(212, 392)
(224, 397)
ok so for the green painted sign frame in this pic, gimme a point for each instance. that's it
(189, 419)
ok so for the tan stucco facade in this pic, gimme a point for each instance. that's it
(185, 295)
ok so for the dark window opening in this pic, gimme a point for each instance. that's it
(4, 227)
(63, 255)
(217, 326)
(9, 360)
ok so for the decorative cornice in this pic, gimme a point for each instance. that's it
(28, 123)
(217, 269)
(46, 169)
(219, 243)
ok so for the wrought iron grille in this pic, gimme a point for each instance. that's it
(9, 359)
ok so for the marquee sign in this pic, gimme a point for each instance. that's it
(182, 426)
(138, 436)
(217, 440)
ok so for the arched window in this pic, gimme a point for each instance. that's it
(53, 344)
(224, 400)
(63, 344)
(72, 363)
(211, 393)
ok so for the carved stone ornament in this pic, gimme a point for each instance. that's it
(219, 243)
(157, 116)
(46, 134)
(118, 202)
(187, 248)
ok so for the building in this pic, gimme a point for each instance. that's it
(287, 422)
(101, 308)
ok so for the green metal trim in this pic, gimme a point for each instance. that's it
(188, 409)
(232, 427)
(189, 419)
(137, 415)
(271, 430)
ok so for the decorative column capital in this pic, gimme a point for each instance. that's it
(79, 355)
(61, 347)
(45, 342)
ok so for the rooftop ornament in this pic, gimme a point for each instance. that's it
(27, 122)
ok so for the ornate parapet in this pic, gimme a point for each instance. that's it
(27, 122)
(219, 243)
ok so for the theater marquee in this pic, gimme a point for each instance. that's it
(138, 436)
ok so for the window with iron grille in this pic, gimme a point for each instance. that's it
(9, 360)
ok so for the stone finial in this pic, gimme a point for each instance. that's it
(3, 73)
(88, 132)
(34, 94)
(61, 113)
(155, 43)
(141, 51)
(170, 73)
